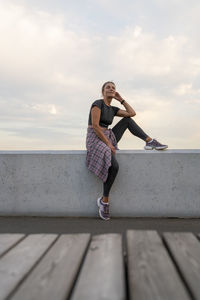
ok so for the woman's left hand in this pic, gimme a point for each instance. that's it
(118, 97)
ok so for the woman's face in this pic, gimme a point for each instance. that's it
(109, 90)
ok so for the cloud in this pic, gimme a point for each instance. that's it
(50, 74)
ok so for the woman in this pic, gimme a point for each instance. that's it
(101, 142)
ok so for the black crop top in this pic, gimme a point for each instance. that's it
(107, 113)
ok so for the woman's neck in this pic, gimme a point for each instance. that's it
(107, 101)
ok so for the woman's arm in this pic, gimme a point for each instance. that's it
(95, 117)
(129, 112)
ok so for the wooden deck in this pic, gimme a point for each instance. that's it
(84, 266)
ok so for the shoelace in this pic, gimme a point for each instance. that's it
(154, 142)
(106, 209)
(157, 143)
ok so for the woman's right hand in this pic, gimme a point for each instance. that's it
(112, 148)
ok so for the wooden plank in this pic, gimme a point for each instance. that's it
(102, 274)
(185, 248)
(54, 276)
(8, 240)
(151, 273)
(16, 263)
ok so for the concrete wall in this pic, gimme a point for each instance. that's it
(58, 183)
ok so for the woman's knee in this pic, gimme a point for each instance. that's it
(128, 120)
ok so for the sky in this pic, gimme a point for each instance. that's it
(56, 55)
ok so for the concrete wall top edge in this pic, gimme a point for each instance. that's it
(84, 151)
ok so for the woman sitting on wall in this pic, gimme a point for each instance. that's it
(101, 142)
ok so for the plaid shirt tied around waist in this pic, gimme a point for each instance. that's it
(98, 158)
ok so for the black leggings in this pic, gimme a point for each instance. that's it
(119, 130)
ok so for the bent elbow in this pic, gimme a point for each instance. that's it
(132, 115)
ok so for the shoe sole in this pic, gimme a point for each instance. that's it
(98, 204)
(156, 148)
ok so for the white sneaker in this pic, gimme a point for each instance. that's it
(103, 209)
(154, 145)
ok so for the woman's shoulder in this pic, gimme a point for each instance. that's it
(97, 102)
